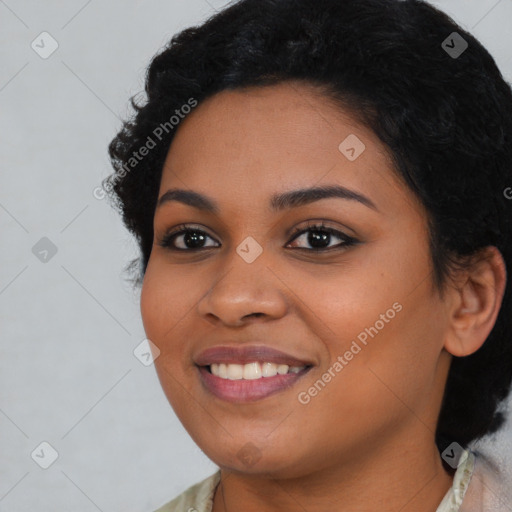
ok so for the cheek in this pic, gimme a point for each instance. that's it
(395, 371)
(164, 305)
(152, 306)
(378, 387)
(345, 303)
(167, 297)
(388, 348)
(166, 300)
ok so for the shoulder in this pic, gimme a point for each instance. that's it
(488, 489)
(478, 486)
(197, 498)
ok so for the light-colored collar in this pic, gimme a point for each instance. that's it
(452, 500)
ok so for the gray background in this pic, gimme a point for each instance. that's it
(69, 326)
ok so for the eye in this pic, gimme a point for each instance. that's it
(319, 236)
(188, 238)
(191, 239)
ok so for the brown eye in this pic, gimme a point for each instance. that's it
(319, 237)
(190, 239)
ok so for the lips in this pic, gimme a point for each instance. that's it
(247, 354)
(241, 389)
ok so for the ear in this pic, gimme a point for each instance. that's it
(476, 303)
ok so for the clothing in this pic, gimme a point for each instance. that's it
(476, 488)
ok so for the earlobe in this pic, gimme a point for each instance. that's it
(477, 303)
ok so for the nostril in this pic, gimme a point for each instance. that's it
(254, 314)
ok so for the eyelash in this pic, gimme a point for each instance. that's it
(168, 239)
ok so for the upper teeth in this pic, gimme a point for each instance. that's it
(251, 370)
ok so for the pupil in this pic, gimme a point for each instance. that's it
(318, 236)
(194, 239)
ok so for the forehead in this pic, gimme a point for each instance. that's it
(245, 145)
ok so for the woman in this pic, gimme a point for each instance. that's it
(318, 190)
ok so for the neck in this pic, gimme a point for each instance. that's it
(400, 476)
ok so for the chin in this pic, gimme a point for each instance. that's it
(245, 457)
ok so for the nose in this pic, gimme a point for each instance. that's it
(243, 292)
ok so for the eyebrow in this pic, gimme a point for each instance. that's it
(278, 202)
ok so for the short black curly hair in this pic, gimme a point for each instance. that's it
(443, 110)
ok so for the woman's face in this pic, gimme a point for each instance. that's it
(353, 311)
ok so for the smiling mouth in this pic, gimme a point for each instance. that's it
(252, 371)
(249, 382)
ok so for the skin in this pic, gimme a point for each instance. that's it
(368, 436)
